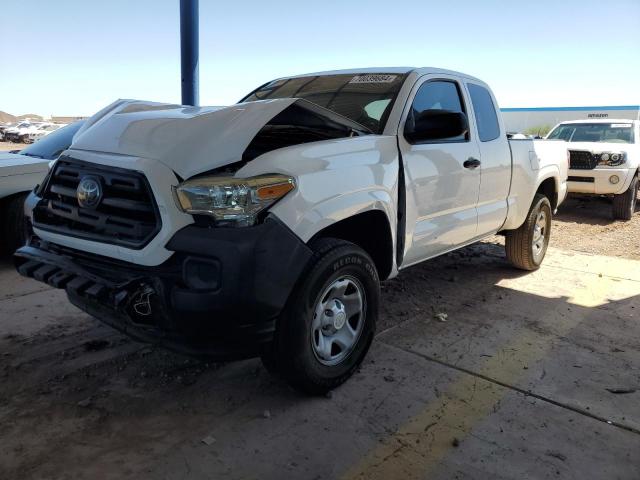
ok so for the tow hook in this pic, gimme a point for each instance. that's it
(140, 302)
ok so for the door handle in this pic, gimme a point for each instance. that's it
(471, 163)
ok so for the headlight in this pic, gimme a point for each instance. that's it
(232, 201)
(612, 159)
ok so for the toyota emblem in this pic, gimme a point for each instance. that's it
(89, 192)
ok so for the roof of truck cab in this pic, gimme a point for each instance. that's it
(396, 70)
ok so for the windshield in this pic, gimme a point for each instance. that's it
(593, 132)
(363, 98)
(51, 146)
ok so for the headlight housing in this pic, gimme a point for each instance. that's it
(232, 201)
(611, 159)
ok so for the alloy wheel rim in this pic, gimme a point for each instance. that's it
(539, 241)
(338, 320)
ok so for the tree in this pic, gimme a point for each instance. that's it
(538, 130)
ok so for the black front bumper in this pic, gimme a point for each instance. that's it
(218, 295)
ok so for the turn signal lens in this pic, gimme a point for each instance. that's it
(271, 192)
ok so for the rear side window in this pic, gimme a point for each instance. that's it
(485, 110)
(438, 95)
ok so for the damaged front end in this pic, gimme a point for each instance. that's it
(142, 255)
(218, 295)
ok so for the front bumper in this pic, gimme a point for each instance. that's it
(598, 181)
(218, 295)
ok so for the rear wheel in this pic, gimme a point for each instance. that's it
(624, 205)
(328, 324)
(527, 246)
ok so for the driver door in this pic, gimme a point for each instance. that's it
(442, 186)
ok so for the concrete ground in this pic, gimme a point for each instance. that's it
(532, 375)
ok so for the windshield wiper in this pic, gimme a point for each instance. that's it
(33, 155)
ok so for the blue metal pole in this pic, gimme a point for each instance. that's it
(189, 51)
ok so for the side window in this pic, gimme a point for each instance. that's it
(485, 110)
(438, 95)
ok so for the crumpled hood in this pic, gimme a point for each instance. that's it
(189, 140)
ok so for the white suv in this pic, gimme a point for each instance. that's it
(604, 159)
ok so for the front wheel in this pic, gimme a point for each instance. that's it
(328, 324)
(624, 205)
(527, 246)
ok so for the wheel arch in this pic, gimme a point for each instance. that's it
(549, 188)
(6, 199)
(371, 231)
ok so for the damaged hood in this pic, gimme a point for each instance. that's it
(189, 140)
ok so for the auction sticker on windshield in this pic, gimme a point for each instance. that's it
(620, 125)
(373, 78)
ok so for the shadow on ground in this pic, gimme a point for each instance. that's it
(80, 400)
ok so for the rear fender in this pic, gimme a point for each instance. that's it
(523, 190)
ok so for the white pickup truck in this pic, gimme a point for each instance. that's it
(264, 228)
(604, 159)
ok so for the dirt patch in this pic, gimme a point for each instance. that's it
(586, 224)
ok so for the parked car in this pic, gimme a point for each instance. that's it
(12, 134)
(21, 132)
(604, 158)
(41, 131)
(19, 173)
(25, 133)
(264, 228)
(5, 126)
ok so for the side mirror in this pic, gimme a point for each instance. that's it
(432, 125)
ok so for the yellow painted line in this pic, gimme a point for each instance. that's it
(418, 446)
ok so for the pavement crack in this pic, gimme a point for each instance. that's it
(601, 274)
(522, 391)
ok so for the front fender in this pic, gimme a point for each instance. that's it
(335, 180)
(330, 211)
(14, 184)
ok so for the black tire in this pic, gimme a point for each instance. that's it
(292, 354)
(519, 243)
(624, 205)
(16, 227)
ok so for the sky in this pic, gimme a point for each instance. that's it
(72, 57)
